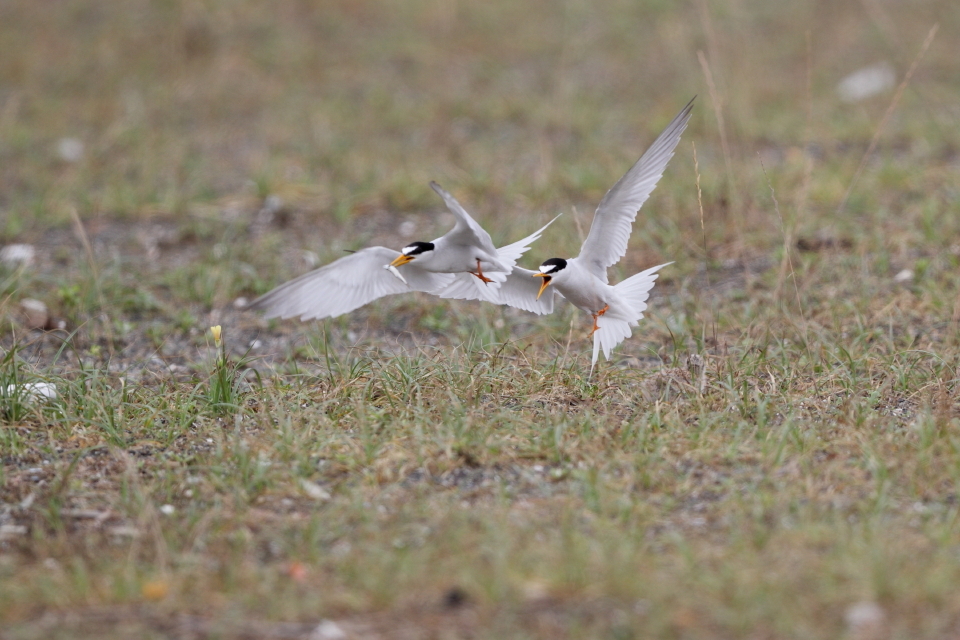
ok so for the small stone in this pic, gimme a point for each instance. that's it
(272, 204)
(867, 82)
(35, 314)
(240, 303)
(865, 619)
(168, 509)
(698, 371)
(407, 229)
(16, 255)
(328, 630)
(32, 392)
(455, 597)
(8, 531)
(314, 490)
(155, 589)
(904, 276)
(310, 258)
(535, 590)
(70, 149)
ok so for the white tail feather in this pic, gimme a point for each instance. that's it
(625, 312)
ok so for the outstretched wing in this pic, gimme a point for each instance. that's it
(466, 286)
(346, 284)
(610, 232)
(519, 290)
(466, 231)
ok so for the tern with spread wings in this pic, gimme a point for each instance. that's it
(462, 258)
(583, 280)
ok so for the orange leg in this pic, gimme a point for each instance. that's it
(595, 316)
(479, 273)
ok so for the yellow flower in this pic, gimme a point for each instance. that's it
(216, 334)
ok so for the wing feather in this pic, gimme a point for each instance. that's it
(467, 230)
(518, 290)
(613, 221)
(345, 285)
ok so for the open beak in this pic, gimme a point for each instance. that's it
(543, 285)
(401, 260)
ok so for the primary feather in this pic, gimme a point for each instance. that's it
(346, 284)
(612, 224)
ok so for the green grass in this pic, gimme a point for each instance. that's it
(423, 468)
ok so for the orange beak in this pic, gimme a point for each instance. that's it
(401, 260)
(543, 285)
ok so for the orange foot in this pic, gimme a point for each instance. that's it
(595, 316)
(479, 273)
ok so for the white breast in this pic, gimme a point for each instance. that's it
(582, 288)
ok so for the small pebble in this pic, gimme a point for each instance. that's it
(15, 255)
(407, 229)
(70, 149)
(32, 392)
(865, 619)
(35, 314)
(867, 82)
(12, 531)
(328, 630)
(314, 490)
(904, 276)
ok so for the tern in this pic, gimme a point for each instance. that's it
(583, 280)
(463, 258)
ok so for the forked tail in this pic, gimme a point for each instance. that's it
(614, 326)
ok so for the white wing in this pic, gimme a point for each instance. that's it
(344, 285)
(466, 231)
(610, 232)
(519, 290)
(466, 286)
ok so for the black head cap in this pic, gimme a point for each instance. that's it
(553, 265)
(416, 248)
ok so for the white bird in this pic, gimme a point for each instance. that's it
(454, 262)
(583, 280)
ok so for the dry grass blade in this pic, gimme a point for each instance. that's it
(717, 103)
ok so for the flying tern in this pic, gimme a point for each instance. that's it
(462, 258)
(583, 280)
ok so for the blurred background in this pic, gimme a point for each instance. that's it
(213, 143)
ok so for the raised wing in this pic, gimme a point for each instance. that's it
(519, 290)
(346, 284)
(466, 231)
(612, 223)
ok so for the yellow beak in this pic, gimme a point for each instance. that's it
(400, 260)
(544, 284)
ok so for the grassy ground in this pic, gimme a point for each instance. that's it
(431, 469)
